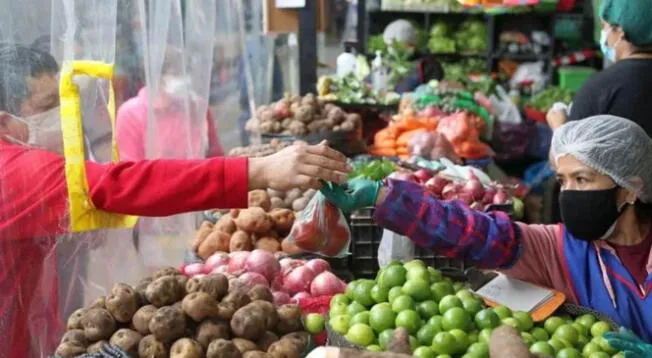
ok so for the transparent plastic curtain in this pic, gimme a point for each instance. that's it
(179, 47)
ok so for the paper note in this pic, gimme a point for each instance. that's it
(515, 294)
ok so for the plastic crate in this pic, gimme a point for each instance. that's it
(573, 77)
(365, 240)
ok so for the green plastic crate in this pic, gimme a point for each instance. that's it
(573, 78)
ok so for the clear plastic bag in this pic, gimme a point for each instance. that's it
(394, 247)
(321, 228)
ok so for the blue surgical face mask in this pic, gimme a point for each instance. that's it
(609, 52)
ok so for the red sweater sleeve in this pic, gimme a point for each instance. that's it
(167, 186)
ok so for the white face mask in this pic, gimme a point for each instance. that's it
(44, 130)
(176, 86)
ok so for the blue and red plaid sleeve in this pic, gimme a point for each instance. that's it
(450, 228)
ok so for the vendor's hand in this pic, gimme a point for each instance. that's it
(627, 342)
(298, 166)
(556, 118)
(356, 194)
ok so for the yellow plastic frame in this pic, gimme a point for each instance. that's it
(83, 214)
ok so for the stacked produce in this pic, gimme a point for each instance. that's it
(393, 140)
(444, 318)
(170, 315)
(260, 150)
(544, 100)
(290, 280)
(350, 89)
(300, 116)
(469, 37)
(260, 226)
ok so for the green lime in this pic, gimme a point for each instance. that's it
(461, 339)
(409, 320)
(414, 343)
(524, 319)
(393, 276)
(414, 263)
(444, 343)
(581, 329)
(360, 334)
(605, 346)
(337, 310)
(339, 298)
(503, 312)
(473, 336)
(427, 333)
(458, 286)
(435, 321)
(382, 318)
(355, 308)
(402, 303)
(598, 329)
(350, 288)
(542, 348)
(393, 293)
(455, 318)
(464, 295)
(586, 320)
(557, 344)
(379, 294)
(380, 305)
(448, 302)
(567, 333)
(435, 275)
(539, 334)
(314, 323)
(417, 288)
(361, 317)
(527, 337)
(598, 355)
(441, 289)
(513, 322)
(428, 309)
(340, 324)
(385, 336)
(424, 352)
(362, 293)
(487, 318)
(591, 348)
(471, 305)
(485, 335)
(479, 349)
(552, 323)
(374, 348)
(569, 353)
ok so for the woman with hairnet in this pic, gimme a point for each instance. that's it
(599, 256)
(623, 89)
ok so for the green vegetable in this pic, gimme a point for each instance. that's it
(372, 170)
(544, 100)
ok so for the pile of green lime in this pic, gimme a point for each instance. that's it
(446, 320)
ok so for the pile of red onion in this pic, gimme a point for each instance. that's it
(291, 280)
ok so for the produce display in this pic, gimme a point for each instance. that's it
(171, 315)
(442, 317)
(544, 100)
(261, 226)
(372, 169)
(469, 37)
(290, 280)
(352, 90)
(300, 116)
(423, 5)
(260, 150)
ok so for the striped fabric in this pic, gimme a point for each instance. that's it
(450, 228)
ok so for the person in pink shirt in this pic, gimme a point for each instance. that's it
(172, 124)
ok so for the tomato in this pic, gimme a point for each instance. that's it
(331, 214)
(307, 237)
(338, 241)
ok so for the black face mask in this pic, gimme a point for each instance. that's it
(589, 214)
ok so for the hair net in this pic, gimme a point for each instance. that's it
(613, 146)
(632, 16)
(400, 30)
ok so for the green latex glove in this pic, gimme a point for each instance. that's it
(355, 194)
(627, 342)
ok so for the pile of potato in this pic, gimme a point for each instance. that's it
(261, 226)
(299, 116)
(169, 315)
(260, 150)
(295, 199)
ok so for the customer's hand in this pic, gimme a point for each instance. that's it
(556, 118)
(298, 166)
(627, 342)
(356, 194)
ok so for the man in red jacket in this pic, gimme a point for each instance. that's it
(34, 197)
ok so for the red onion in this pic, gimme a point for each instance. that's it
(277, 284)
(252, 278)
(422, 175)
(500, 198)
(264, 263)
(465, 197)
(193, 269)
(326, 284)
(299, 297)
(477, 206)
(318, 266)
(286, 267)
(224, 269)
(215, 260)
(280, 298)
(298, 280)
(488, 196)
(474, 188)
(435, 185)
(237, 261)
(450, 191)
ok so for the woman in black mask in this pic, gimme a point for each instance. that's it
(599, 257)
